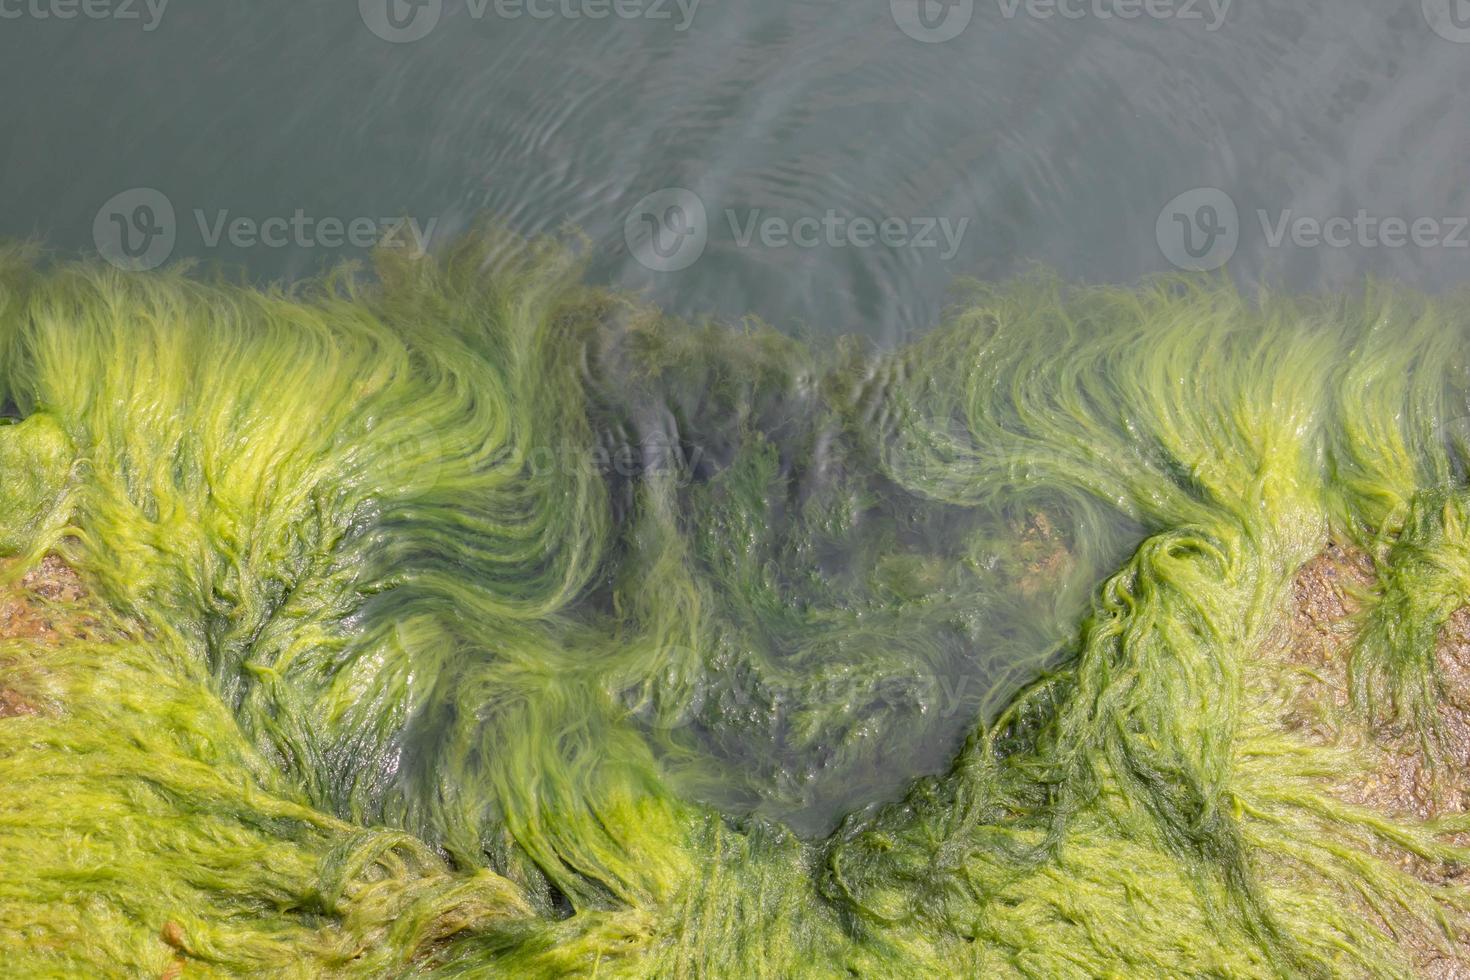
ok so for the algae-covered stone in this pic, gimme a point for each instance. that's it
(36, 458)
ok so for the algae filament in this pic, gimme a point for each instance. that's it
(471, 621)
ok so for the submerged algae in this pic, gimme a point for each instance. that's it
(474, 622)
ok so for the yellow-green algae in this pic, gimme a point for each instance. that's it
(392, 670)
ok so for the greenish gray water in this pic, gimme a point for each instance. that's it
(1021, 139)
(1056, 139)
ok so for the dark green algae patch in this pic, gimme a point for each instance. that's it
(464, 620)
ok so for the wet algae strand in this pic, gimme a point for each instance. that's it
(465, 620)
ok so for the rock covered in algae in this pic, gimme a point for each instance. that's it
(469, 621)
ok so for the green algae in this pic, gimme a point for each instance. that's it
(469, 621)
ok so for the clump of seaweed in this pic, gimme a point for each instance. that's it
(470, 621)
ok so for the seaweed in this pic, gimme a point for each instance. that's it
(465, 619)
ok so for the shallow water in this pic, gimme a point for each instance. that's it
(1053, 139)
(1021, 139)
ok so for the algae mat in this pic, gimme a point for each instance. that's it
(463, 620)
